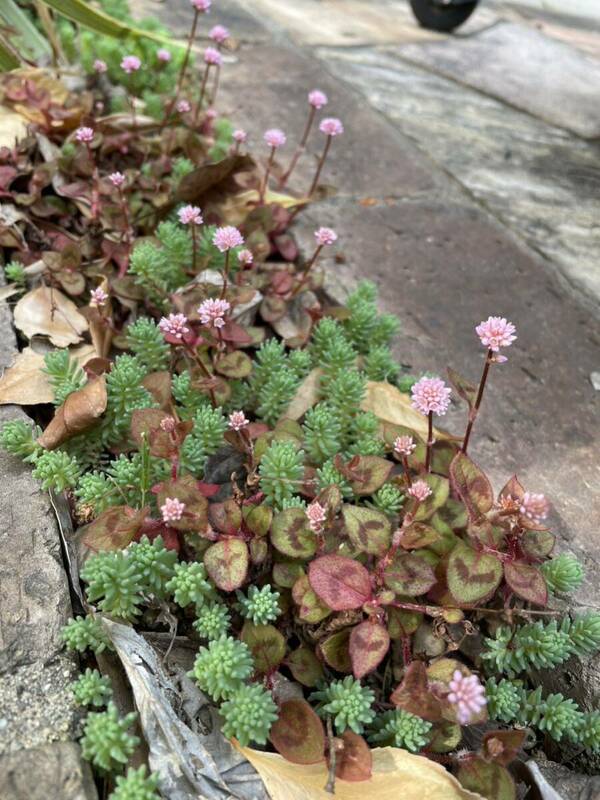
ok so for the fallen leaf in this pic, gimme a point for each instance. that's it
(396, 773)
(12, 127)
(50, 313)
(235, 208)
(25, 384)
(9, 290)
(391, 405)
(79, 412)
(306, 395)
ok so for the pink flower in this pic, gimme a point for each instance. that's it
(172, 509)
(174, 325)
(274, 137)
(211, 113)
(131, 64)
(163, 55)
(404, 445)
(84, 134)
(189, 214)
(316, 516)
(183, 107)
(317, 98)
(240, 135)
(325, 236)
(219, 34)
(419, 490)
(98, 297)
(431, 394)
(496, 332)
(535, 507)
(467, 695)
(237, 420)
(117, 179)
(227, 237)
(168, 424)
(331, 126)
(100, 66)
(212, 312)
(212, 56)
(201, 5)
(245, 257)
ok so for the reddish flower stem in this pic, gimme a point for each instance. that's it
(300, 149)
(202, 93)
(183, 70)
(194, 246)
(263, 187)
(307, 271)
(475, 410)
(225, 275)
(313, 185)
(430, 441)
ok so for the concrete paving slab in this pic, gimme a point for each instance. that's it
(525, 69)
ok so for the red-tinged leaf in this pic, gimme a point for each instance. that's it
(369, 642)
(502, 746)
(227, 563)
(232, 332)
(234, 365)
(272, 308)
(310, 608)
(463, 387)
(256, 429)
(408, 574)
(114, 529)
(537, 544)
(370, 531)
(146, 424)
(419, 535)
(225, 517)
(305, 666)
(286, 573)
(266, 644)
(472, 576)
(208, 489)
(487, 534)
(185, 489)
(445, 736)
(335, 650)
(526, 581)
(258, 518)
(402, 623)
(512, 490)
(291, 535)
(489, 779)
(298, 734)
(471, 485)
(440, 489)
(259, 551)
(339, 582)
(353, 761)
(369, 474)
(415, 696)
(159, 386)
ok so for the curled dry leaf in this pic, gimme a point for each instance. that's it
(12, 127)
(391, 405)
(47, 312)
(306, 396)
(396, 773)
(79, 412)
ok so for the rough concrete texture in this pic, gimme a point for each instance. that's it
(55, 772)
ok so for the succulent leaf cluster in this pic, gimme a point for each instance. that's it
(136, 785)
(400, 728)
(92, 689)
(260, 605)
(222, 666)
(348, 702)
(249, 714)
(106, 741)
(82, 633)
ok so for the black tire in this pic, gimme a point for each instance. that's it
(436, 17)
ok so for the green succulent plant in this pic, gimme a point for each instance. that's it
(92, 689)
(190, 584)
(348, 702)
(106, 741)
(400, 728)
(85, 632)
(249, 714)
(260, 606)
(136, 785)
(222, 666)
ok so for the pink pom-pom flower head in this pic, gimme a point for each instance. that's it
(98, 297)
(535, 507)
(212, 57)
(130, 64)
(331, 126)
(190, 215)
(203, 6)
(467, 695)
(219, 34)
(100, 66)
(325, 236)
(404, 446)
(316, 515)
(183, 107)
(239, 136)
(496, 332)
(174, 326)
(227, 237)
(163, 55)
(245, 258)
(84, 134)
(237, 420)
(172, 509)
(419, 490)
(317, 98)
(431, 395)
(213, 312)
(117, 179)
(274, 138)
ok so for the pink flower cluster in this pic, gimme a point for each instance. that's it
(190, 214)
(404, 445)
(419, 490)
(275, 138)
(239, 135)
(245, 257)
(163, 55)
(227, 237)
(183, 107)
(317, 98)
(496, 332)
(98, 297)
(467, 695)
(117, 179)
(202, 5)
(331, 126)
(130, 64)
(84, 134)
(175, 325)
(213, 57)
(219, 34)
(325, 236)
(237, 420)
(212, 312)
(316, 516)
(168, 424)
(172, 509)
(535, 507)
(100, 66)
(431, 395)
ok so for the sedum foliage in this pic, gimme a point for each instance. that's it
(401, 729)
(249, 714)
(106, 740)
(222, 666)
(563, 574)
(347, 702)
(82, 633)
(136, 785)
(261, 605)
(92, 689)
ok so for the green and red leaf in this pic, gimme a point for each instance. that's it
(415, 696)
(185, 489)
(407, 574)
(339, 582)
(266, 644)
(291, 535)
(369, 643)
(298, 733)
(471, 485)
(310, 608)
(305, 666)
(489, 779)
(353, 760)
(335, 650)
(526, 581)
(227, 563)
(369, 530)
(472, 576)
(114, 529)
(502, 746)
(537, 544)
(419, 535)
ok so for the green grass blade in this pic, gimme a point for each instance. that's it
(32, 40)
(8, 59)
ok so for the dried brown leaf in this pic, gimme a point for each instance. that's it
(47, 312)
(79, 412)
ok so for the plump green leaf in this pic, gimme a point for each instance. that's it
(402, 623)
(419, 535)
(335, 650)
(369, 642)
(227, 563)
(527, 581)
(472, 576)
(445, 737)
(537, 544)
(291, 535)
(339, 582)
(286, 573)
(266, 644)
(489, 779)
(258, 519)
(409, 575)
(298, 733)
(305, 666)
(234, 365)
(310, 608)
(370, 531)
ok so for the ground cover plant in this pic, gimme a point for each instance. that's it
(230, 479)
